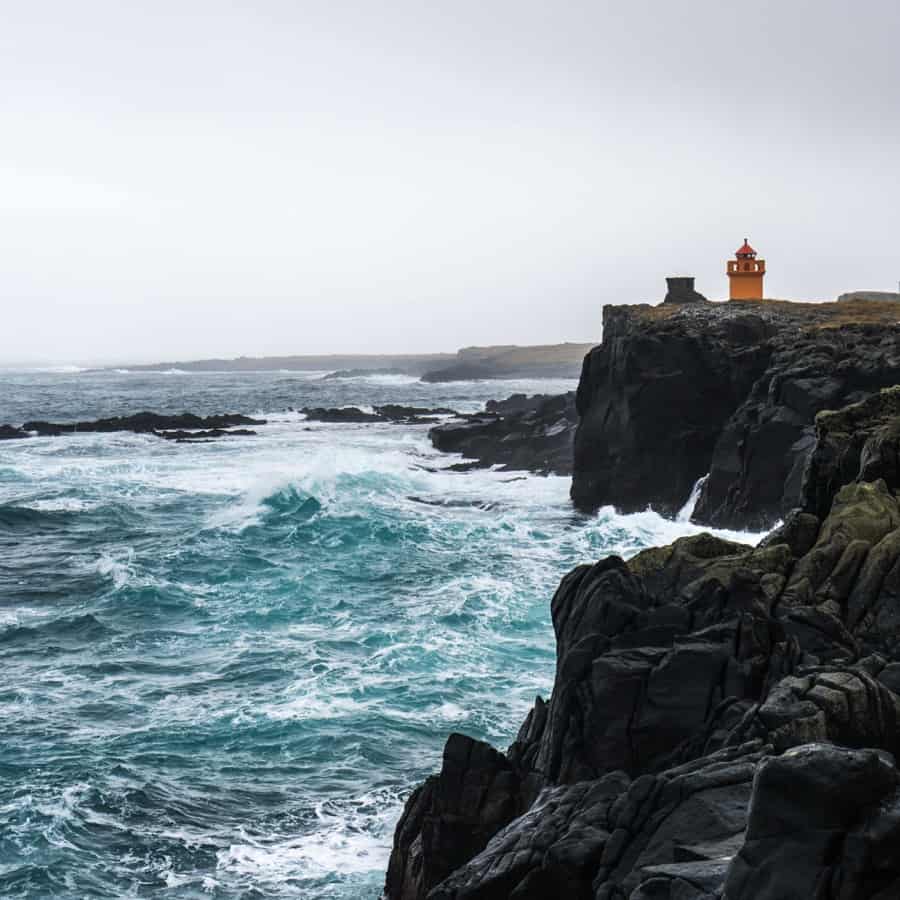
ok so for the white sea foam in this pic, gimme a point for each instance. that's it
(314, 705)
(117, 565)
(63, 504)
(376, 378)
(686, 511)
(351, 837)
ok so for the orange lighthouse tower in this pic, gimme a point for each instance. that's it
(745, 274)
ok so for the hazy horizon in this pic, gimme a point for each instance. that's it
(185, 181)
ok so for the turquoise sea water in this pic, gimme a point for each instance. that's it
(224, 666)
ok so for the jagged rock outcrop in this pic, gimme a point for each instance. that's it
(528, 433)
(858, 443)
(824, 823)
(451, 818)
(756, 469)
(730, 389)
(654, 396)
(722, 724)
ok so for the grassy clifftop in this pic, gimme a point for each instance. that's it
(829, 314)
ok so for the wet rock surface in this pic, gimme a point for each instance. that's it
(723, 721)
(182, 427)
(526, 433)
(653, 398)
(389, 412)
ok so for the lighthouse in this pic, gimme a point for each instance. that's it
(745, 274)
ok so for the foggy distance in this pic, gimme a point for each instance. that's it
(204, 179)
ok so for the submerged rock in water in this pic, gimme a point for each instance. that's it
(723, 720)
(388, 412)
(142, 423)
(340, 414)
(185, 437)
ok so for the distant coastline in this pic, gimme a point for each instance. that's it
(468, 364)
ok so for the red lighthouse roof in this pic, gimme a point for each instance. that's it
(745, 252)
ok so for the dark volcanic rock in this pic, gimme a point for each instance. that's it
(653, 399)
(11, 433)
(722, 720)
(186, 437)
(858, 443)
(824, 822)
(528, 433)
(756, 470)
(144, 422)
(412, 414)
(730, 389)
(340, 414)
(389, 412)
(516, 404)
(607, 837)
(452, 816)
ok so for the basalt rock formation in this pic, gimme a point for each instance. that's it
(654, 396)
(723, 722)
(731, 389)
(530, 433)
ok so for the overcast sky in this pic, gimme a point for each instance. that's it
(204, 177)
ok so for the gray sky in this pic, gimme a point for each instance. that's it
(203, 177)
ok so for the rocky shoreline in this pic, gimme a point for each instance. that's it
(721, 724)
(724, 718)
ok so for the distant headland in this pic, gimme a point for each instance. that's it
(470, 363)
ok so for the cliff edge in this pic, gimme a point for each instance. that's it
(730, 389)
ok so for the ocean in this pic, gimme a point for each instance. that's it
(226, 665)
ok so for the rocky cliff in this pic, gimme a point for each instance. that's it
(730, 389)
(723, 718)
